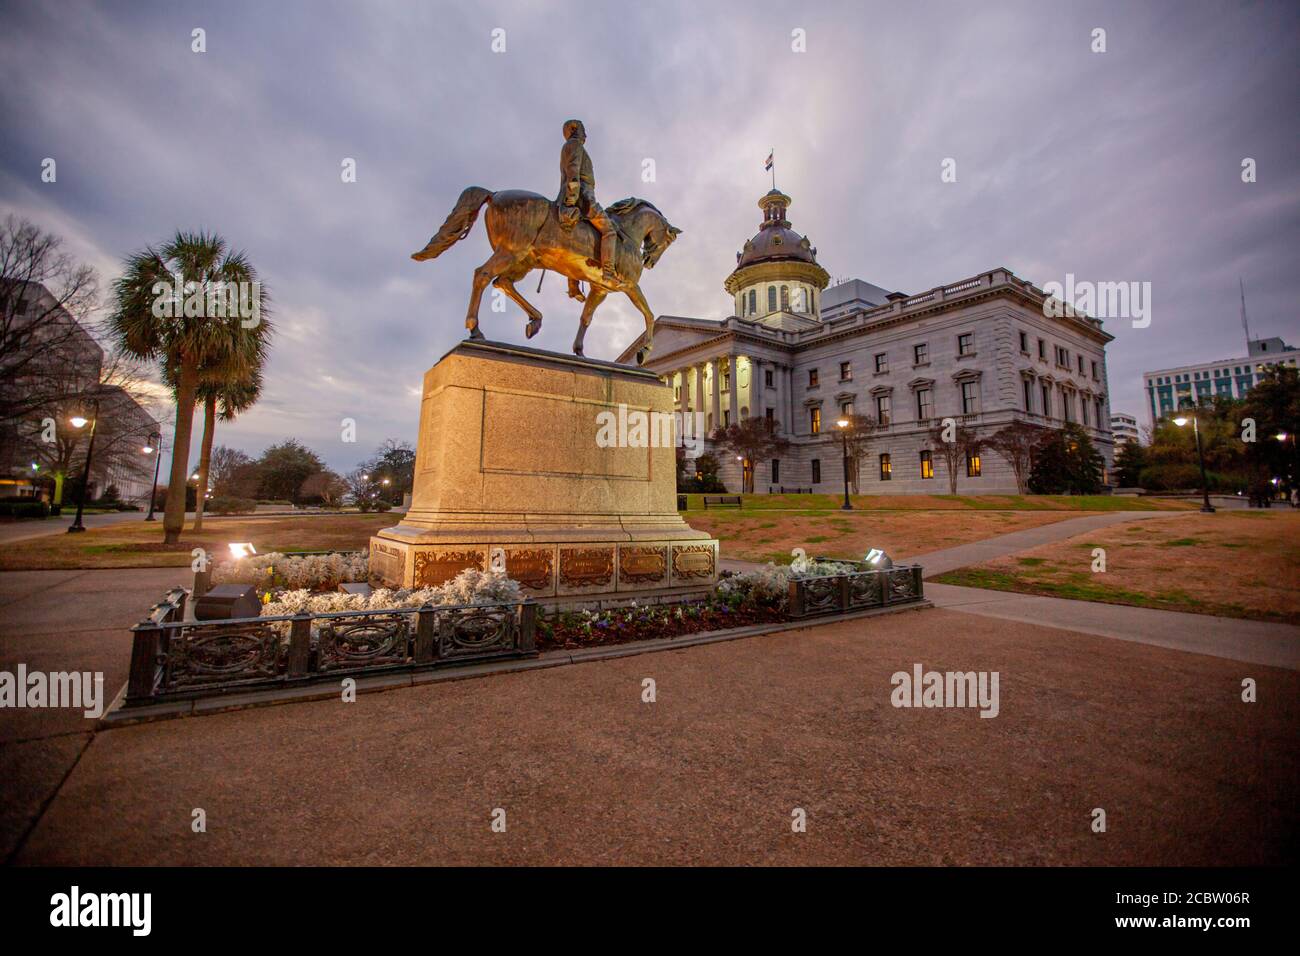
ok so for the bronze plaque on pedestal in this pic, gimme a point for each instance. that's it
(438, 567)
(641, 564)
(533, 568)
(586, 567)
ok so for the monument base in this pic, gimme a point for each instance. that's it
(509, 467)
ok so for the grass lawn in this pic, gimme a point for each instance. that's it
(770, 535)
(949, 503)
(1233, 564)
(139, 545)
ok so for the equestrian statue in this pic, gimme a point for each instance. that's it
(605, 247)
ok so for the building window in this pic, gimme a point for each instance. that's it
(726, 417)
(970, 400)
(817, 471)
(1042, 348)
(846, 408)
(1094, 372)
(886, 469)
(972, 464)
(1080, 358)
(770, 415)
(882, 409)
(920, 354)
(1047, 401)
(771, 298)
(776, 471)
(965, 344)
(924, 408)
(882, 362)
(846, 371)
(785, 298)
(1083, 410)
(1024, 342)
(812, 378)
(767, 377)
(814, 421)
(927, 464)
(1028, 388)
(1067, 405)
(1099, 415)
(753, 301)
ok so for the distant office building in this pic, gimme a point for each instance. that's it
(1123, 427)
(1171, 388)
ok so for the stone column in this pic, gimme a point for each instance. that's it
(757, 389)
(717, 392)
(735, 389)
(779, 410)
(683, 395)
(788, 372)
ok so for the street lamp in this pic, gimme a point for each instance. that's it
(80, 422)
(843, 426)
(155, 439)
(1180, 421)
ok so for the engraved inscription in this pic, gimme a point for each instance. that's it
(642, 565)
(693, 561)
(586, 567)
(438, 567)
(532, 568)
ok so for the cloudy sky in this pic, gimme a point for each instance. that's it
(1115, 166)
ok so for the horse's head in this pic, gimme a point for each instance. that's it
(659, 238)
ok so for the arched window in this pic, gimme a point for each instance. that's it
(785, 298)
(753, 301)
(771, 298)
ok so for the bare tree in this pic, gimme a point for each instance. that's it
(1017, 443)
(954, 442)
(861, 429)
(752, 439)
(44, 294)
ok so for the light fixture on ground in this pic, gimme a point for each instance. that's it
(1180, 421)
(241, 549)
(843, 426)
(878, 559)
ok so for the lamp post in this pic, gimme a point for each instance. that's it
(843, 426)
(156, 439)
(1180, 421)
(80, 422)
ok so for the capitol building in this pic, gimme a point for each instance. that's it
(803, 353)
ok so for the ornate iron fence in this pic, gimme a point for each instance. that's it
(857, 590)
(173, 658)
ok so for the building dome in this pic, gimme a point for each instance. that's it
(777, 271)
(775, 239)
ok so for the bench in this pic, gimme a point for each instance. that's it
(722, 501)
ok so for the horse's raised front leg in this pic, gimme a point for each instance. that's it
(595, 296)
(497, 263)
(638, 299)
(507, 286)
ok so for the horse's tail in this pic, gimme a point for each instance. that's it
(458, 224)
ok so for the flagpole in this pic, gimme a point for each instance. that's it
(772, 153)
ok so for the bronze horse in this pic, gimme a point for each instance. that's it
(525, 233)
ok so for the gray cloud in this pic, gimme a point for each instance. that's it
(1118, 166)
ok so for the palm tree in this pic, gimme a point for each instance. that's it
(225, 402)
(192, 348)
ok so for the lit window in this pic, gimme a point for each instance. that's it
(972, 465)
(886, 470)
(927, 465)
(815, 421)
(812, 378)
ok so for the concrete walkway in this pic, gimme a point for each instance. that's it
(977, 552)
(1255, 642)
(23, 530)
